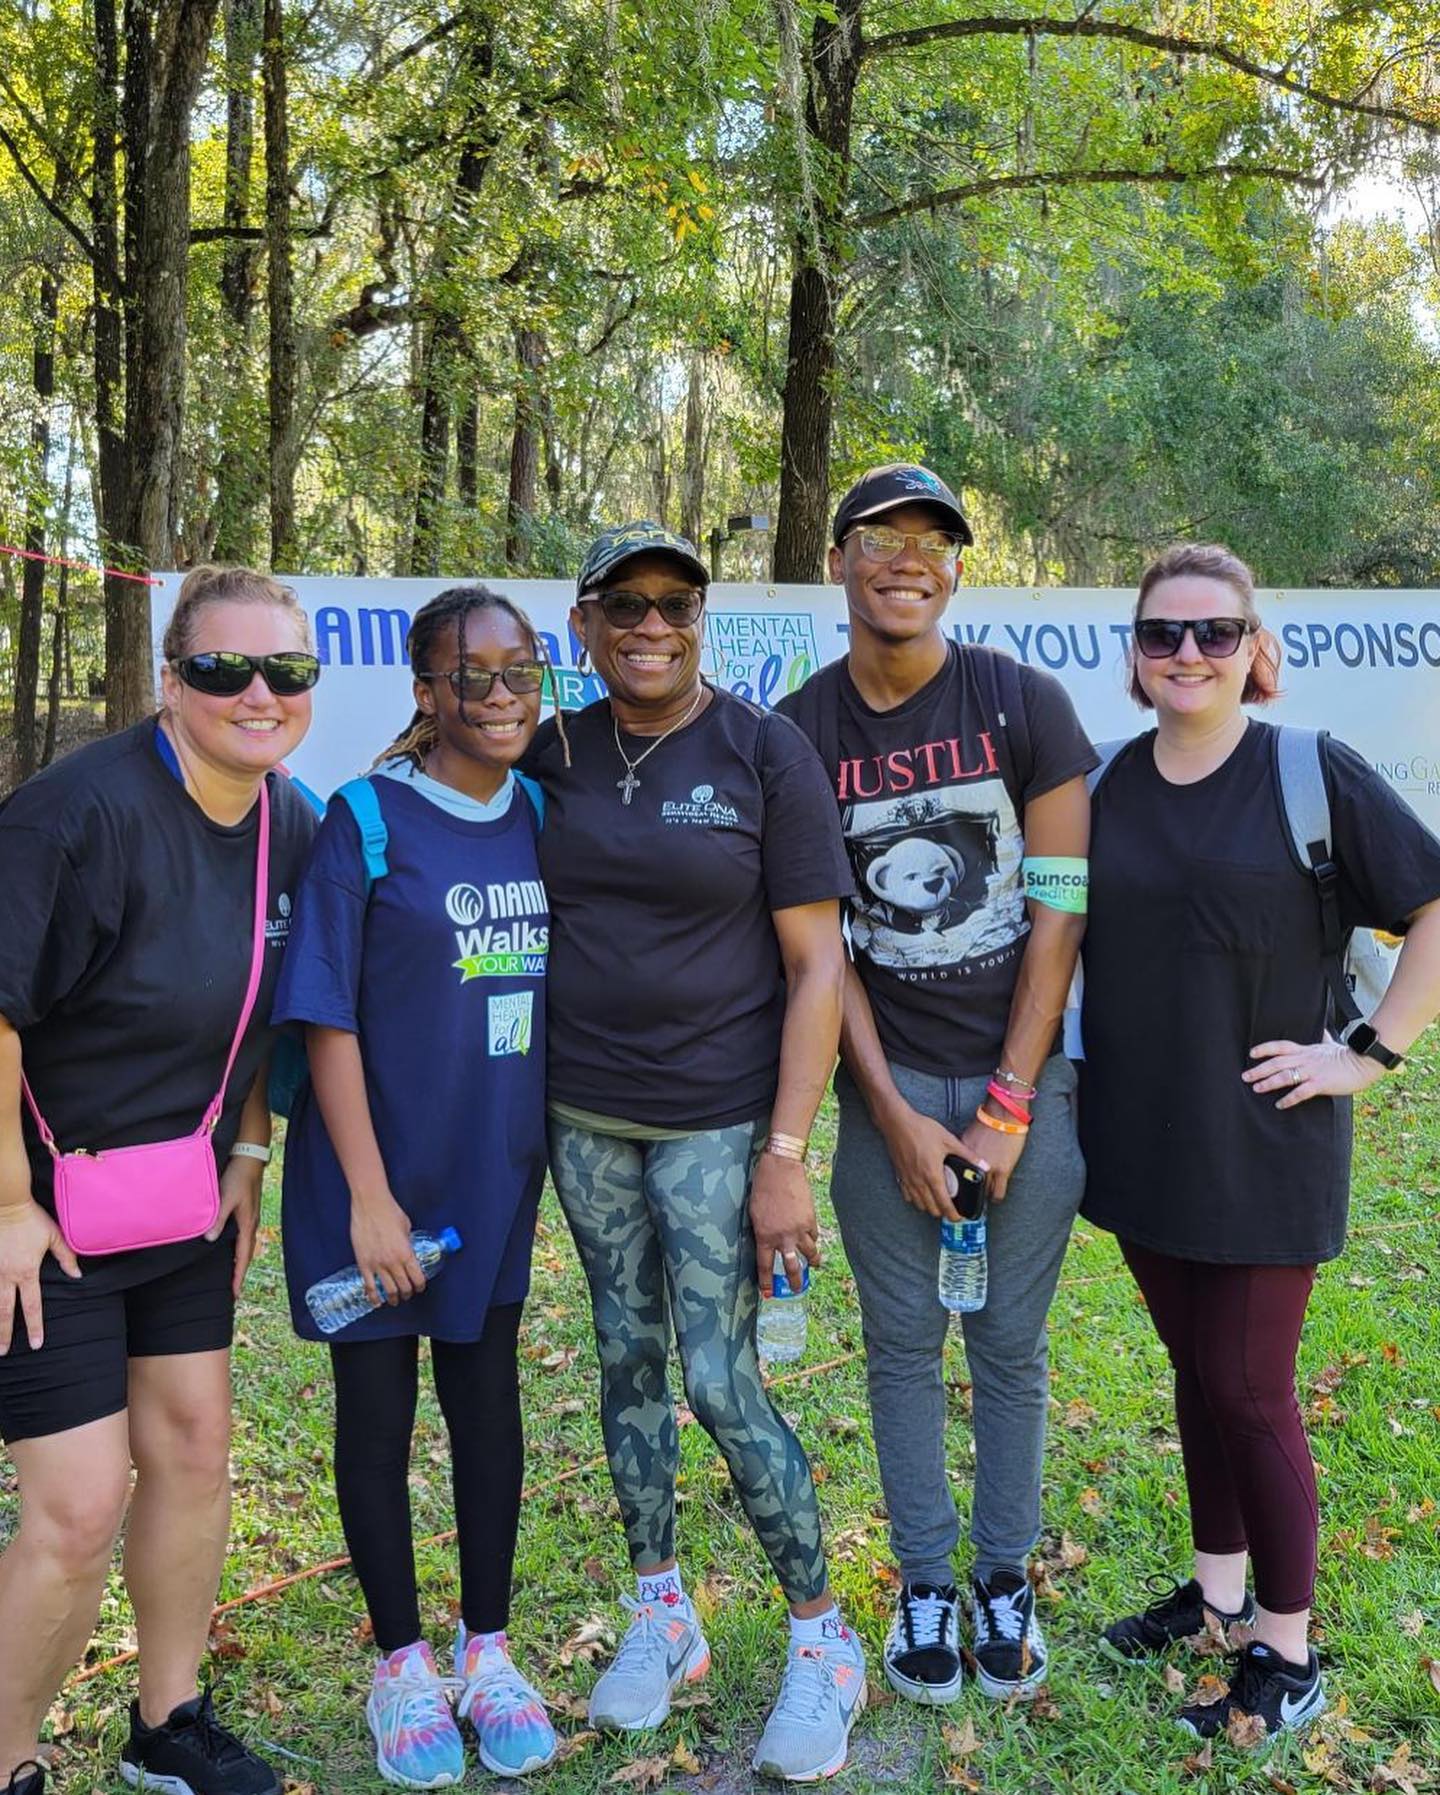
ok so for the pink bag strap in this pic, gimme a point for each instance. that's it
(252, 990)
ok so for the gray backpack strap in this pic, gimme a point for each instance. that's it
(1107, 752)
(1300, 770)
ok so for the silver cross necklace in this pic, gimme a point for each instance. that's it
(628, 786)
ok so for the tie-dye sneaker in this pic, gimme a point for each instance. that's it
(509, 1718)
(417, 1743)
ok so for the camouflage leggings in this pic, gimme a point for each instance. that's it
(658, 1220)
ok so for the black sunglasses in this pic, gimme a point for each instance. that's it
(476, 682)
(1217, 638)
(222, 673)
(625, 610)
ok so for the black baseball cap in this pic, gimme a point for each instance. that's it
(623, 542)
(898, 483)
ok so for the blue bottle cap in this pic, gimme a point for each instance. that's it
(450, 1240)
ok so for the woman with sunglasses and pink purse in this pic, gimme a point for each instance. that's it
(1215, 1102)
(147, 882)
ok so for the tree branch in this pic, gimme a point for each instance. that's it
(1081, 177)
(249, 233)
(57, 212)
(370, 313)
(1085, 26)
(436, 34)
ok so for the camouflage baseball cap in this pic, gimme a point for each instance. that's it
(623, 542)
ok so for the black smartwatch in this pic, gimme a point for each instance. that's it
(1362, 1039)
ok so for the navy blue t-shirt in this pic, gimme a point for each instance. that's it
(440, 971)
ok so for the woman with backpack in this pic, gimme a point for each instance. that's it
(417, 966)
(1215, 1103)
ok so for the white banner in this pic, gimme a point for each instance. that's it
(1360, 664)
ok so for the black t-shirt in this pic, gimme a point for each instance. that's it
(932, 801)
(666, 990)
(125, 954)
(1204, 940)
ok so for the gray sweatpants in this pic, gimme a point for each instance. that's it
(894, 1253)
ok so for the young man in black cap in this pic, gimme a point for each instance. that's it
(955, 769)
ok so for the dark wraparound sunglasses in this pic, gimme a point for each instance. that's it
(223, 673)
(1217, 638)
(476, 682)
(625, 610)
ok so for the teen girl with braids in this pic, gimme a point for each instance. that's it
(422, 993)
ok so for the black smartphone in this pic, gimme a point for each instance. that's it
(969, 1194)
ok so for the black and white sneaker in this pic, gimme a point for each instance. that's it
(922, 1652)
(1178, 1614)
(192, 1754)
(27, 1779)
(1009, 1646)
(1283, 1695)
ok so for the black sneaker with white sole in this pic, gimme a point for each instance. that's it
(27, 1779)
(922, 1652)
(1178, 1614)
(1283, 1695)
(1009, 1646)
(192, 1754)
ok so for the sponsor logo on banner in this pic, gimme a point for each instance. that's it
(510, 1017)
(701, 808)
(762, 655)
(504, 931)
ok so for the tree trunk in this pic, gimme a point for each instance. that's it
(444, 343)
(60, 634)
(162, 77)
(109, 484)
(832, 70)
(467, 452)
(281, 293)
(692, 471)
(32, 577)
(524, 451)
(237, 488)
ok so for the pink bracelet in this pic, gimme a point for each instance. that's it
(1011, 1105)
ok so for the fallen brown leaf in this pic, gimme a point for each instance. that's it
(590, 1641)
(1071, 1554)
(684, 1759)
(1042, 1705)
(1208, 1691)
(1078, 1412)
(569, 1706)
(1173, 1680)
(1092, 1502)
(576, 1743)
(1431, 1667)
(1280, 1786)
(1412, 1623)
(1199, 1761)
(644, 1773)
(960, 1741)
(1245, 1730)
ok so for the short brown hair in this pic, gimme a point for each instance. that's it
(1212, 561)
(211, 584)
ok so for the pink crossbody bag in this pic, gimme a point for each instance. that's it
(152, 1195)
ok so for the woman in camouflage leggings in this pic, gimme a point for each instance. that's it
(694, 864)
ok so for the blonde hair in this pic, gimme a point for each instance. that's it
(1212, 561)
(213, 584)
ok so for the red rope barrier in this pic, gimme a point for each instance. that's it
(119, 573)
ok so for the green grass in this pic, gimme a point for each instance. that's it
(293, 1667)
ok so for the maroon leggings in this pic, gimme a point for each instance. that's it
(1232, 1332)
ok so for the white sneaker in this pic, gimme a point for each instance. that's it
(663, 1647)
(821, 1694)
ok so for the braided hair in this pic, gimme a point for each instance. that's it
(432, 621)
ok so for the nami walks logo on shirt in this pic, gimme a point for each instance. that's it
(500, 932)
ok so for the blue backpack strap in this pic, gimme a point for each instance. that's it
(1305, 803)
(1107, 752)
(364, 803)
(535, 792)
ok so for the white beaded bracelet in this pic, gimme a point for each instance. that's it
(250, 1150)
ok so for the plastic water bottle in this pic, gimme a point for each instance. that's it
(780, 1326)
(338, 1300)
(964, 1269)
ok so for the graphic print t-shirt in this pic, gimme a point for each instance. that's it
(667, 993)
(439, 968)
(932, 799)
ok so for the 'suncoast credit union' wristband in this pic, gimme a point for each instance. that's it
(1060, 880)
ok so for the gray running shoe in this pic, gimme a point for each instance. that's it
(660, 1651)
(821, 1695)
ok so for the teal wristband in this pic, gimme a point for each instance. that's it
(1060, 880)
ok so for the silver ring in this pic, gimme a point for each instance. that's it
(1295, 1075)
